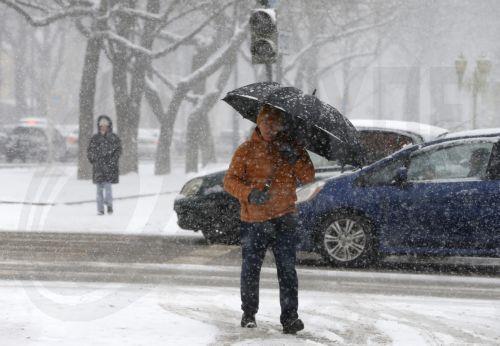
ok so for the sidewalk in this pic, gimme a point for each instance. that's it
(52, 199)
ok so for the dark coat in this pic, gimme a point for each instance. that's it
(103, 153)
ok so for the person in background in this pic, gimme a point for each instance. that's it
(263, 176)
(104, 152)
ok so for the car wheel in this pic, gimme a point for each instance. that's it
(348, 240)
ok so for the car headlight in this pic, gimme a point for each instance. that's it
(192, 187)
(307, 192)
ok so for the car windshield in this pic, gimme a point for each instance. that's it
(29, 133)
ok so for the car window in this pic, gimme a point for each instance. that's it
(384, 175)
(379, 144)
(454, 161)
(32, 133)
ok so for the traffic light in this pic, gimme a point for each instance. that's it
(264, 36)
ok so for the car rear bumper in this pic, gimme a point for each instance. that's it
(204, 213)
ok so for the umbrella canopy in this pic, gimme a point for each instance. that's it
(320, 127)
(248, 99)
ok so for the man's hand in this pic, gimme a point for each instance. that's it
(289, 153)
(258, 197)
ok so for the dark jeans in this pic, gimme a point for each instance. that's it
(279, 234)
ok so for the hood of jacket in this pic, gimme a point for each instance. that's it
(100, 117)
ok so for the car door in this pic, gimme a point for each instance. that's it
(489, 235)
(441, 207)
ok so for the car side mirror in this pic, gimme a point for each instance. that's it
(401, 177)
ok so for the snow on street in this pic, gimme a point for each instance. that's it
(48, 313)
(52, 199)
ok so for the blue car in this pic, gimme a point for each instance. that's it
(437, 198)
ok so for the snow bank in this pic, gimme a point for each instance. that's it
(52, 199)
(46, 313)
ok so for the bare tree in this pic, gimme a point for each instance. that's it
(323, 36)
(87, 91)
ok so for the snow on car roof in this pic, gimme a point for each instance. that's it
(476, 132)
(427, 132)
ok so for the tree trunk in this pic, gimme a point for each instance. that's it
(131, 118)
(20, 67)
(87, 97)
(201, 125)
(127, 127)
(207, 145)
(162, 162)
(192, 142)
(199, 134)
(125, 121)
(87, 100)
(128, 104)
(194, 129)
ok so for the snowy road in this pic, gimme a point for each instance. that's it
(48, 313)
(121, 292)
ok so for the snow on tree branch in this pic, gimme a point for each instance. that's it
(189, 36)
(189, 97)
(70, 11)
(332, 38)
(217, 61)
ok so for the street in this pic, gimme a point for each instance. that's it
(93, 284)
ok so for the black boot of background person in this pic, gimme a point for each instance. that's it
(248, 321)
(293, 327)
(110, 210)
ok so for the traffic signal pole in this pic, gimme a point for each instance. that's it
(269, 67)
(269, 72)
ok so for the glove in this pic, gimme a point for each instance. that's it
(258, 197)
(289, 153)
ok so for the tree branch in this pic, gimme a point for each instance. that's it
(332, 38)
(188, 37)
(44, 21)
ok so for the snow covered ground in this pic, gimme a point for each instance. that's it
(51, 313)
(52, 199)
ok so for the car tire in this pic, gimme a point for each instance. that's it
(346, 239)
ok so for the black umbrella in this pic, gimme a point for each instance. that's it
(248, 99)
(320, 127)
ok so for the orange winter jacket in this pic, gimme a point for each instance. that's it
(257, 162)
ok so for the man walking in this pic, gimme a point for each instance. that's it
(263, 176)
(103, 152)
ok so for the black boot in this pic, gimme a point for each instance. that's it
(293, 327)
(110, 210)
(248, 321)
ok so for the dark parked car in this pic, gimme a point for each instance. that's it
(29, 142)
(204, 206)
